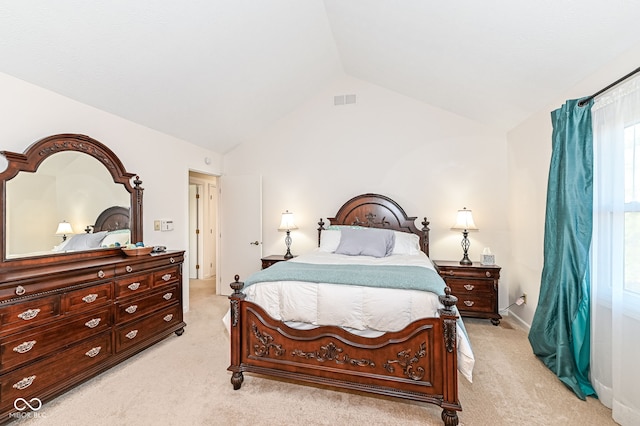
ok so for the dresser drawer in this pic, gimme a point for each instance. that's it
(147, 327)
(31, 381)
(29, 313)
(56, 280)
(26, 346)
(132, 285)
(166, 276)
(87, 298)
(138, 307)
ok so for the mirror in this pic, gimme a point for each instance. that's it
(70, 179)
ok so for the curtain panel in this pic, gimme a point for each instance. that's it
(560, 330)
(615, 370)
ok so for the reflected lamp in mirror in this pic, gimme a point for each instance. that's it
(64, 228)
(287, 224)
(464, 223)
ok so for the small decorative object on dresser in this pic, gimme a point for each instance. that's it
(475, 286)
(274, 258)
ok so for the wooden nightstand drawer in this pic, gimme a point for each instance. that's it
(474, 303)
(462, 286)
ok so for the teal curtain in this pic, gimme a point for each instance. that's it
(560, 331)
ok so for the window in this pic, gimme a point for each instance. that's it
(632, 208)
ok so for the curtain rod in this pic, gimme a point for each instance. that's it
(618, 81)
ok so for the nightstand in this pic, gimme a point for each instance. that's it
(475, 286)
(274, 258)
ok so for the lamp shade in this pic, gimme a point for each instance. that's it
(464, 220)
(287, 222)
(64, 228)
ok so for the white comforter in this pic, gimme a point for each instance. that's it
(366, 311)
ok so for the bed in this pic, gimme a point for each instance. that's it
(415, 357)
(111, 229)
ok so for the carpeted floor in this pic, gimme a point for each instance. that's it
(183, 380)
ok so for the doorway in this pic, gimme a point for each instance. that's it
(203, 225)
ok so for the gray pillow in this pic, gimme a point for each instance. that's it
(366, 242)
(85, 241)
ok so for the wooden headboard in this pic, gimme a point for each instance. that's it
(378, 211)
(112, 219)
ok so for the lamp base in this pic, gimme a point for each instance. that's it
(466, 261)
(287, 241)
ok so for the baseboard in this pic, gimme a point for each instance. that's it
(519, 320)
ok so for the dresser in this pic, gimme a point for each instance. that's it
(475, 286)
(64, 322)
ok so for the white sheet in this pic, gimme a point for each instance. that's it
(366, 311)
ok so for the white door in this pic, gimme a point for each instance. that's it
(240, 206)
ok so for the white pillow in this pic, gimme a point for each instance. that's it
(120, 236)
(85, 241)
(329, 240)
(406, 243)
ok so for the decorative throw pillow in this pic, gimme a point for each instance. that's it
(366, 242)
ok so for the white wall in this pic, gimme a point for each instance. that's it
(529, 153)
(430, 161)
(30, 113)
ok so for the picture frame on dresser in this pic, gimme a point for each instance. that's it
(68, 315)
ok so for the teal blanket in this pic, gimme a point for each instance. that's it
(386, 276)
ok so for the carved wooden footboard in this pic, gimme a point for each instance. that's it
(417, 363)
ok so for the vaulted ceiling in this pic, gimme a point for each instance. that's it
(217, 72)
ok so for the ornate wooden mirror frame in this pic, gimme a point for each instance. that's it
(42, 149)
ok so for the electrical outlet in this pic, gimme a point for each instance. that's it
(156, 225)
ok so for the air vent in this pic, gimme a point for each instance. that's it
(344, 99)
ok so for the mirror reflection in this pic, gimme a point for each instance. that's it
(49, 209)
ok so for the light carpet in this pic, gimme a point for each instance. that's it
(183, 380)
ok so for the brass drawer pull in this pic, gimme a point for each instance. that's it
(20, 290)
(133, 286)
(131, 334)
(166, 277)
(451, 273)
(167, 296)
(488, 274)
(101, 274)
(469, 302)
(93, 323)
(168, 317)
(93, 351)
(131, 309)
(24, 383)
(172, 260)
(128, 268)
(24, 347)
(90, 298)
(29, 314)
(469, 287)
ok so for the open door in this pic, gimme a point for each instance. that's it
(240, 206)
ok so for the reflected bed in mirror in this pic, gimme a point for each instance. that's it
(68, 178)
